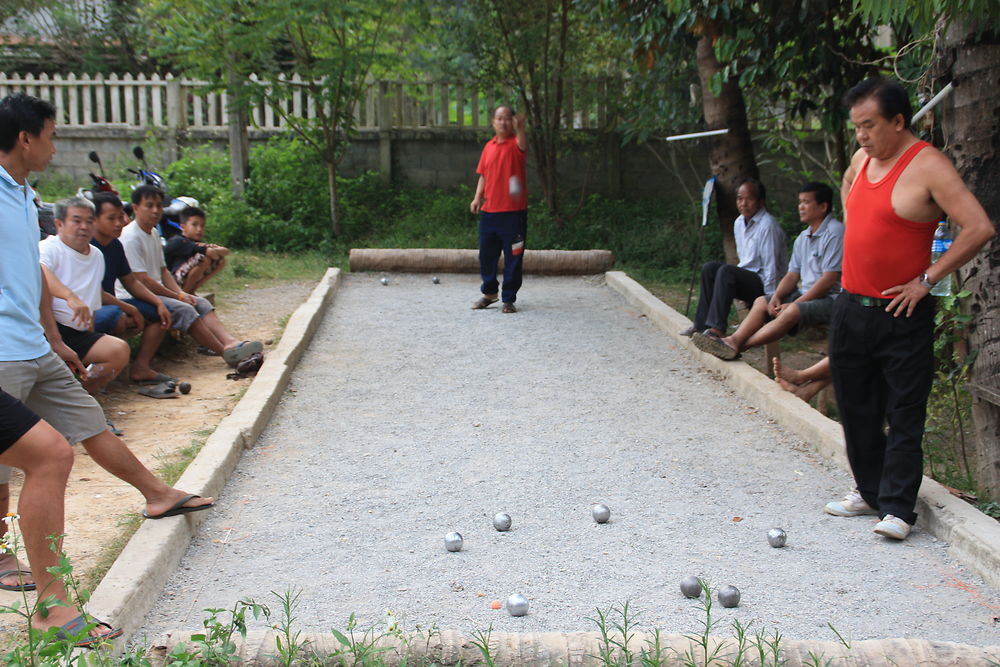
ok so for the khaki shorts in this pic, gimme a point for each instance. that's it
(49, 389)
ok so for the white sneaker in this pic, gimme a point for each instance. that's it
(852, 505)
(894, 527)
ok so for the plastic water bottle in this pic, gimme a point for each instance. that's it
(939, 246)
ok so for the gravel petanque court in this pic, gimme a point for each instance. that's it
(411, 416)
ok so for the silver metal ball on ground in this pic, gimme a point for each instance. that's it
(184, 387)
(601, 512)
(453, 542)
(729, 596)
(517, 605)
(435, 280)
(691, 587)
(385, 281)
(776, 537)
(501, 521)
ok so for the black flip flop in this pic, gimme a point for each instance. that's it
(159, 379)
(163, 390)
(179, 508)
(17, 588)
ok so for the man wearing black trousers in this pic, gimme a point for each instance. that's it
(895, 191)
(762, 249)
(501, 201)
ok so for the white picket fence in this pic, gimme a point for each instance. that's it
(145, 102)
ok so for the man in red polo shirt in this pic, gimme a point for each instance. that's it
(502, 204)
(895, 191)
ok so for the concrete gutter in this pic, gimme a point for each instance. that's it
(973, 536)
(130, 588)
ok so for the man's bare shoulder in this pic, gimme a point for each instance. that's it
(932, 163)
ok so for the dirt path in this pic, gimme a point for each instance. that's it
(98, 505)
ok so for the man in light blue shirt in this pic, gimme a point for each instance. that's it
(36, 372)
(816, 259)
(762, 249)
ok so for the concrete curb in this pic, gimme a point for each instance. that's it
(130, 588)
(973, 536)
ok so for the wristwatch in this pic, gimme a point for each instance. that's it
(926, 282)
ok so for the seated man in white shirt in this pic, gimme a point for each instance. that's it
(816, 258)
(762, 250)
(74, 269)
(189, 313)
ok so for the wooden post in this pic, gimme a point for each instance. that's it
(384, 133)
(239, 142)
(176, 116)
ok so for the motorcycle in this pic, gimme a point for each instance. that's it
(170, 223)
(98, 183)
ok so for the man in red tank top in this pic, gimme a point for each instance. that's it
(501, 200)
(881, 338)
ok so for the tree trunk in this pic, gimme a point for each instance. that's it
(331, 173)
(972, 124)
(731, 156)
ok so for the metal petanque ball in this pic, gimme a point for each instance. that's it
(385, 281)
(435, 280)
(776, 537)
(453, 542)
(729, 596)
(517, 605)
(602, 513)
(691, 587)
(184, 387)
(501, 521)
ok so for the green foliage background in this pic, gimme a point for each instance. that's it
(286, 203)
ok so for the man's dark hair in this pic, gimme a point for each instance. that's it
(147, 192)
(757, 186)
(192, 212)
(22, 113)
(821, 191)
(102, 199)
(889, 95)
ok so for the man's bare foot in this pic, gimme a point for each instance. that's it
(169, 503)
(787, 375)
(10, 563)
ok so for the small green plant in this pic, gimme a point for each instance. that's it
(702, 653)
(215, 646)
(617, 628)
(287, 640)
(361, 647)
(481, 640)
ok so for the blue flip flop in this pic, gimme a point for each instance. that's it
(70, 631)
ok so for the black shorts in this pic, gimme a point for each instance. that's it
(15, 420)
(79, 341)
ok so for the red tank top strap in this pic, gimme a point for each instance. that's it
(897, 169)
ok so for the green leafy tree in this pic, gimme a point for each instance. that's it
(75, 35)
(324, 50)
(787, 53)
(543, 50)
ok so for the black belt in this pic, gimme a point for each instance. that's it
(868, 301)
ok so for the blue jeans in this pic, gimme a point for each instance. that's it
(502, 232)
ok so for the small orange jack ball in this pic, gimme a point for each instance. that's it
(495, 604)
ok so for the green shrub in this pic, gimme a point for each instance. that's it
(286, 209)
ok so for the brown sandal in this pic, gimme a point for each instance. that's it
(484, 302)
(509, 308)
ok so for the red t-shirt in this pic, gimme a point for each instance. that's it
(881, 249)
(502, 164)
